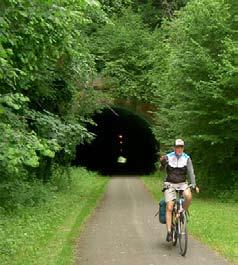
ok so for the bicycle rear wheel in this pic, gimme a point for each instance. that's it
(183, 233)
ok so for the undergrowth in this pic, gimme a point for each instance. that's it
(42, 231)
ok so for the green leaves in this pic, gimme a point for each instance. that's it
(122, 50)
(14, 101)
(199, 85)
(21, 146)
(113, 7)
(44, 64)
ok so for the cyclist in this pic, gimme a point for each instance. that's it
(178, 166)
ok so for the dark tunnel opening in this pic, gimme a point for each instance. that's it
(124, 144)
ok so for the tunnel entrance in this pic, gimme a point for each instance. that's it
(124, 144)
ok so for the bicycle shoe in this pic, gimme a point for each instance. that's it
(169, 237)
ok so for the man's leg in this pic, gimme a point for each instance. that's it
(169, 209)
(170, 195)
(188, 198)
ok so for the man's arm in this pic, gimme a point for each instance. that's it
(163, 162)
(191, 174)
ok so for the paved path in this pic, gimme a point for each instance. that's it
(123, 231)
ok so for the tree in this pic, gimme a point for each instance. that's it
(122, 53)
(198, 86)
(44, 67)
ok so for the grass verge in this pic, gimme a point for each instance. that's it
(45, 234)
(212, 222)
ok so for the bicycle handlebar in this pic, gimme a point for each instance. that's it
(191, 186)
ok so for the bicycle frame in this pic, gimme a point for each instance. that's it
(179, 224)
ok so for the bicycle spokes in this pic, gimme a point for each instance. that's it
(174, 234)
(182, 234)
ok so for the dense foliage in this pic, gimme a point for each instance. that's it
(122, 53)
(197, 88)
(46, 71)
(179, 55)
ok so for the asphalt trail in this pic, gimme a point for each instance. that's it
(123, 231)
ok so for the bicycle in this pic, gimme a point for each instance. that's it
(179, 223)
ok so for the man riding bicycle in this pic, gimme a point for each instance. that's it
(178, 166)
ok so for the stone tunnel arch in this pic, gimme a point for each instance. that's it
(124, 143)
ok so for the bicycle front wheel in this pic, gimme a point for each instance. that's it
(174, 233)
(183, 234)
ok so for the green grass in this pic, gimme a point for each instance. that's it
(212, 222)
(45, 234)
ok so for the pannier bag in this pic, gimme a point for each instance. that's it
(162, 211)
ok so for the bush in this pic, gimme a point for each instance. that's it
(61, 178)
(20, 193)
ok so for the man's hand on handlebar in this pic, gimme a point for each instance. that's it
(194, 187)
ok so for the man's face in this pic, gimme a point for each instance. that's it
(179, 150)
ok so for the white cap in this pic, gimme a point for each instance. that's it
(179, 142)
